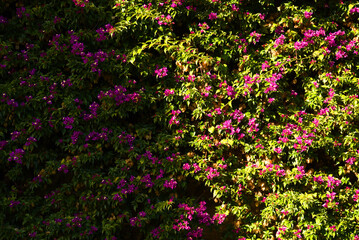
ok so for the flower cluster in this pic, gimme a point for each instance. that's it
(161, 72)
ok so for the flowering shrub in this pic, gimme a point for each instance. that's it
(179, 119)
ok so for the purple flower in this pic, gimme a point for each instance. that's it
(15, 135)
(156, 232)
(63, 168)
(3, 144)
(93, 108)
(170, 184)
(30, 140)
(134, 220)
(75, 136)
(13, 203)
(68, 121)
(3, 20)
(16, 156)
(37, 124)
(20, 11)
(147, 179)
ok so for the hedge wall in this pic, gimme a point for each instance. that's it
(179, 119)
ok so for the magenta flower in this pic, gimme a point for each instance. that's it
(352, 11)
(340, 54)
(170, 184)
(300, 44)
(265, 65)
(30, 140)
(270, 100)
(37, 124)
(212, 16)
(162, 72)
(16, 156)
(331, 182)
(13, 203)
(20, 11)
(81, 3)
(212, 172)
(3, 20)
(156, 232)
(186, 166)
(235, 8)
(308, 14)
(356, 195)
(68, 121)
(230, 92)
(316, 122)
(191, 78)
(278, 150)
(101, 32)
(219, 217)
(63, 168)
(279, 41)
(169, 92)
(350, 160)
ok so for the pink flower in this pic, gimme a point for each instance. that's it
(333, 228)
(191, 78)
(278, 150)
(308, 14)
(284, 212)
(352, 11)
(212, 16)
(81, 3)
(186, 166)
(316, 122)
(162, 72)
(169, 92)
(350, 160)
(265, 66)
(219, 217)
(300, 44)
(170, 184)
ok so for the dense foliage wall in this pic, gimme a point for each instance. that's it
(179, 119)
